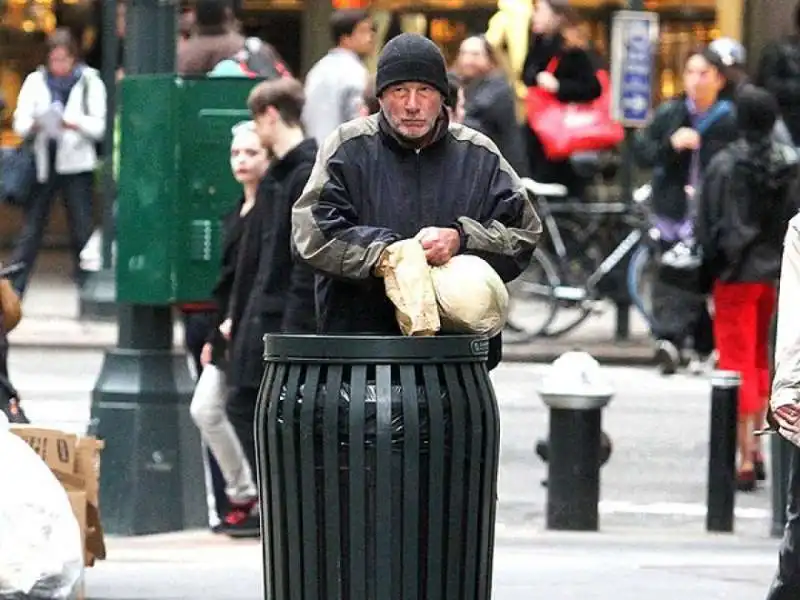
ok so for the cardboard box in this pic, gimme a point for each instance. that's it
(56, 448)
(75, 462)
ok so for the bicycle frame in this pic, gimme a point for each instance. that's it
(623, 249)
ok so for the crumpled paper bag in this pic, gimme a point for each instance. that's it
(470, 295)
(407, 279)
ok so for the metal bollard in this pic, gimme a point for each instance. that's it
(576, 396)
(722, 451)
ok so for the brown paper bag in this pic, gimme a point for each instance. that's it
(407, 278)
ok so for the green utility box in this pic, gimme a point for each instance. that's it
(175, 184)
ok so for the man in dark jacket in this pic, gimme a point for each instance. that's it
(779, 72)
(402, 172)
(281, 297)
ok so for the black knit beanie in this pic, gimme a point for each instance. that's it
(411, 57)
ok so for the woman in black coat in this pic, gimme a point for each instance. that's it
(489, 102)
(558, 62)
(685, 134)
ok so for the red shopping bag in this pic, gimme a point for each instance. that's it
(565, 129)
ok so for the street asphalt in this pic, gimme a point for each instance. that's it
(652, 542)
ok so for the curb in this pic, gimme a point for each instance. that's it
(543, 355)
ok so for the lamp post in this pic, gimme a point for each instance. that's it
(152, 478)
(98, 293)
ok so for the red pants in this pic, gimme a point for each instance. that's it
(742, 315)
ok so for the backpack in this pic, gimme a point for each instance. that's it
(257, 59)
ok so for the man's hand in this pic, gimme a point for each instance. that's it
(788, 417)
(205, 354)
(685, 138)
(68, 125)
(547, 81)
(440, 244)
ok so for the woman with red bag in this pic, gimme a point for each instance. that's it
(557, 63)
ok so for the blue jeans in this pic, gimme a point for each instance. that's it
(76, 193)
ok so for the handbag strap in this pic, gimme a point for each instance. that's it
(552, 65)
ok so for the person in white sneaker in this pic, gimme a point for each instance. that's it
(249, 163)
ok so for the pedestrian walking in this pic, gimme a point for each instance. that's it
(404, 172)
(271, 292)
(749, 194)
(779, 72)
(335, 85)
(489, 103)
(557, 62)
(249, 164)
(685, 134)
(733, 56)
(62, 109)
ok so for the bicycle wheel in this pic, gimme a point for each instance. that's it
(532, 301)
(640, 277)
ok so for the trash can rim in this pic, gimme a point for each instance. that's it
(375, 349)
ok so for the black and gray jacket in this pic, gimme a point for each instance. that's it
(747, 199)
(369, 189)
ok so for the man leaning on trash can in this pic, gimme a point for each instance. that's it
(402, 172)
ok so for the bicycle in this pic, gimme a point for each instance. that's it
(554, 296)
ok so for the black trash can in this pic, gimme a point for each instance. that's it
(377, 468)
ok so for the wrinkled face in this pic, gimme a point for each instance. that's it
(266, 124)
(544, 19)
(702, 81)
(60, 62)
(248, 156)
(473, 60)
(411, 108)
(362, 40)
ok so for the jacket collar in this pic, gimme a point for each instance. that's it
(304, 152)
(400, 144)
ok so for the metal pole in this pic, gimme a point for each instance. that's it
(110, 46)
(153, 480)
(623, 328)
(722, 451)
(573, 480)
(98, 293)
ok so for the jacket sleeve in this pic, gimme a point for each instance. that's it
(92, 118)
(299, 313)
(786, 382)
(712, 195)
(325, 221)
(771, 76)
(24, 116)
(222, 289)
(507, 236)
(652, 146)
(780, 133)
(581, 85)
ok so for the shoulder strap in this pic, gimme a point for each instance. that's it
(719, 110)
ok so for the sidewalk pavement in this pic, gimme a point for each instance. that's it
(51, 319)
(618, 565)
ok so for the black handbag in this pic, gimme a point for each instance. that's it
(17, 173)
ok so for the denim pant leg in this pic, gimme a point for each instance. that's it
(786, 585)
(77, 196)
(37, 213)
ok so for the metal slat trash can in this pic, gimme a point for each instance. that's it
(377, 468)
